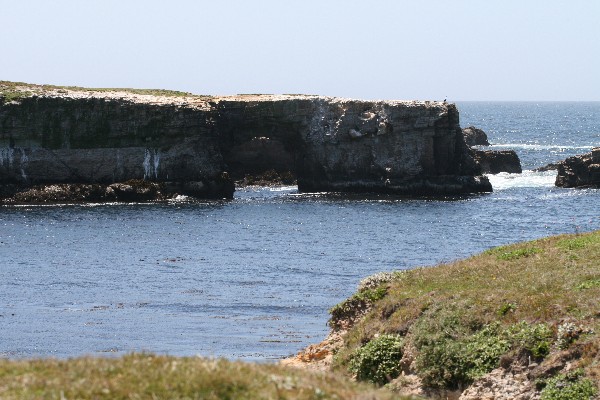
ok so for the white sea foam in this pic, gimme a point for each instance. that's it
(549, 147)
(504, 180)
(180, 198)
(291, 188)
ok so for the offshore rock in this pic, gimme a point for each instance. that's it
(580, 171)
(475, 136)
(496, 161)
(130, 191)
(549, 167)
(199, 145)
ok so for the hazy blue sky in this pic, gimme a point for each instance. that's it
(421, 49)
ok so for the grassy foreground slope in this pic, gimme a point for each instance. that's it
(531, 308)
(145, 376)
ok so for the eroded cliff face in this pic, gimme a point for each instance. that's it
(67, 136)
(80, 137)
(349, 145)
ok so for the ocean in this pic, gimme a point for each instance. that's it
(253, 278)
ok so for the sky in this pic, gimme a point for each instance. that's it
(537, 50)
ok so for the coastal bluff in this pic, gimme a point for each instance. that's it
(199, 144)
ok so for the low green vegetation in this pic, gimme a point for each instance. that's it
(570, 386)
(8, 96)
(512, 305)
(507, 254)
(12, 91)
(145, 376)
(379, 360)
(454, 354)
(579, 242)
(589, 284)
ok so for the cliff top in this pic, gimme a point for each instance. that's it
(15, 91)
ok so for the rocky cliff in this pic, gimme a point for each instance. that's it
(59, 135)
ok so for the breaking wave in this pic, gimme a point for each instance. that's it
(527, 179)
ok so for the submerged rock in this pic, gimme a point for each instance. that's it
(496, 161)
(580, 171)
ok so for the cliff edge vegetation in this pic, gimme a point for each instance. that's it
(15, 91)
(515, 322)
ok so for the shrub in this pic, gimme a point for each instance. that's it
(535, 339)
(506, 308)
(453, 361)
(379, 360)
(452, 355)
(483, 350)
(12, 95)
(569, 386)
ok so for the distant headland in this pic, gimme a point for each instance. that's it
(198, 145)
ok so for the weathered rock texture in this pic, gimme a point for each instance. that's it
(580, 171)
(496, 161)
(475, 136)
(66, 136)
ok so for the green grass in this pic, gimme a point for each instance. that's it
(145, 376)
(505, 253)
(461, 319)
(589, 284)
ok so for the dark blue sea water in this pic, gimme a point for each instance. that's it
(253, 278)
